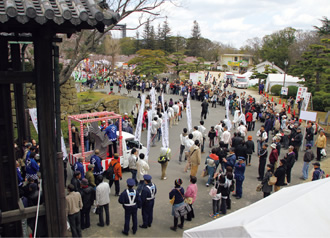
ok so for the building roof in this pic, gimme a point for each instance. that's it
(62, 14)
(237, 55)
(263, 64)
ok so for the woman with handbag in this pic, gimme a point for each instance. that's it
(177, 200)
(190, 196)
(266, 188)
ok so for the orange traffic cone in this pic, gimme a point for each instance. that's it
(283, 105)
(272, 99)
(280, 102)
(294, 112)
(300, 120)
(289, 110)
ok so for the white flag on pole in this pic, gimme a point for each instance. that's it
(189, 122)
(227, 120)
(164, 127)
(140, 117)
(149, 133)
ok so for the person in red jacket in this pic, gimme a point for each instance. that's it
(118, 174)
(273, 156)
(248, 118)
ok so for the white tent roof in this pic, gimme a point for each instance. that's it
(277, 79)
(298, 211)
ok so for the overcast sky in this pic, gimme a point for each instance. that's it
(235, 21)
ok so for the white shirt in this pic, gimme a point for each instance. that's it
(154, 127)
(242, 129)
(175, 108)
(170, 112)
(142, 169)
(202, 129)
(219, 129)
(132, 161)
(183, 139)
(254, 116)
(197, 136)
(225, 137)
(102, 194)
(189, 143)
(263, 135)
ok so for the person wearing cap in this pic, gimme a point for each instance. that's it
(273, 156)
(266, 188)
(297, 141)
(90, 176)
(321, 143)
(308, 157)
(125, 117)
(250, 148)
(117, 172)
(78, 166)
(280, 175)
(73, 206)
(148, 200)
(290, 161)
(102, 200)
(88, 197)
(131, 201)
(96, 161)
(177, 193)
(239, 171)
(318, 172)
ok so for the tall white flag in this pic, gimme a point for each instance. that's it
(189, 121)
(139, 121)
(164, 127)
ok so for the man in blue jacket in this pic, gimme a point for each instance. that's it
(78, 166)
(131, 201)
(231, 159)
(239, 176)
(96, 161)
(111, 132)
(148, 200)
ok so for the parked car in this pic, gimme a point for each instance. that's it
(241, 82)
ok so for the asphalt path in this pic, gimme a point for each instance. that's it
(203, 205)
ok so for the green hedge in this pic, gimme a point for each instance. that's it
(321, 101)
(276, 90)
(292, 91)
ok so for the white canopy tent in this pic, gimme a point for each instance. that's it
(278, 79)
(298, 211)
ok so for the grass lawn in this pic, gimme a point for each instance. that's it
(90, 97)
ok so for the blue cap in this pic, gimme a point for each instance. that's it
(241, 158)
(130, 182)
(147, 177)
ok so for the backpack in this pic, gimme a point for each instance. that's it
(110, 173)
(163, 159)
(321, 174)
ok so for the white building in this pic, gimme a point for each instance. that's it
(278, 79)
(261, 67)
(236, 63)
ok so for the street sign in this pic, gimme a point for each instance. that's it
(284, 91)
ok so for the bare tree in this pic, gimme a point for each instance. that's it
(86, 41)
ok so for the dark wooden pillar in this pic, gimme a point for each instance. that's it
(46, 127)
(19, 96)
(8, 187)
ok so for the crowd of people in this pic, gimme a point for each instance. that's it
(232, 151)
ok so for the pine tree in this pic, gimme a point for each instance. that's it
(193, 46)
(146, 35)
(165, 37)
(152, 38)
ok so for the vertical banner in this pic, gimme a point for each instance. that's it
(189, 121)
(139, 121)
(153, 99)
(306, 97)
(149, 133)
(34, 118)
(227, 120)
(164, 127)
(301, 91)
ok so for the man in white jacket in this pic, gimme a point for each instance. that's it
(142, 168)
(154, 128)
(103, 200)
(226, 137)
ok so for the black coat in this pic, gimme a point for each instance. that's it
(290, 160)
(221, 153)
(76, 183)
(297, 139)
(309, 134)
(280, 175)
(236, 141)
(87, 196)
(249, 147)
(205, 106)
(240, 151)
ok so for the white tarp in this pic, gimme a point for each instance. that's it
(298, 211)
(278, 79)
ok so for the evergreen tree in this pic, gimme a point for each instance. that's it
(165, 37)
(193, 45)
(146, 35)
(152, 40)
